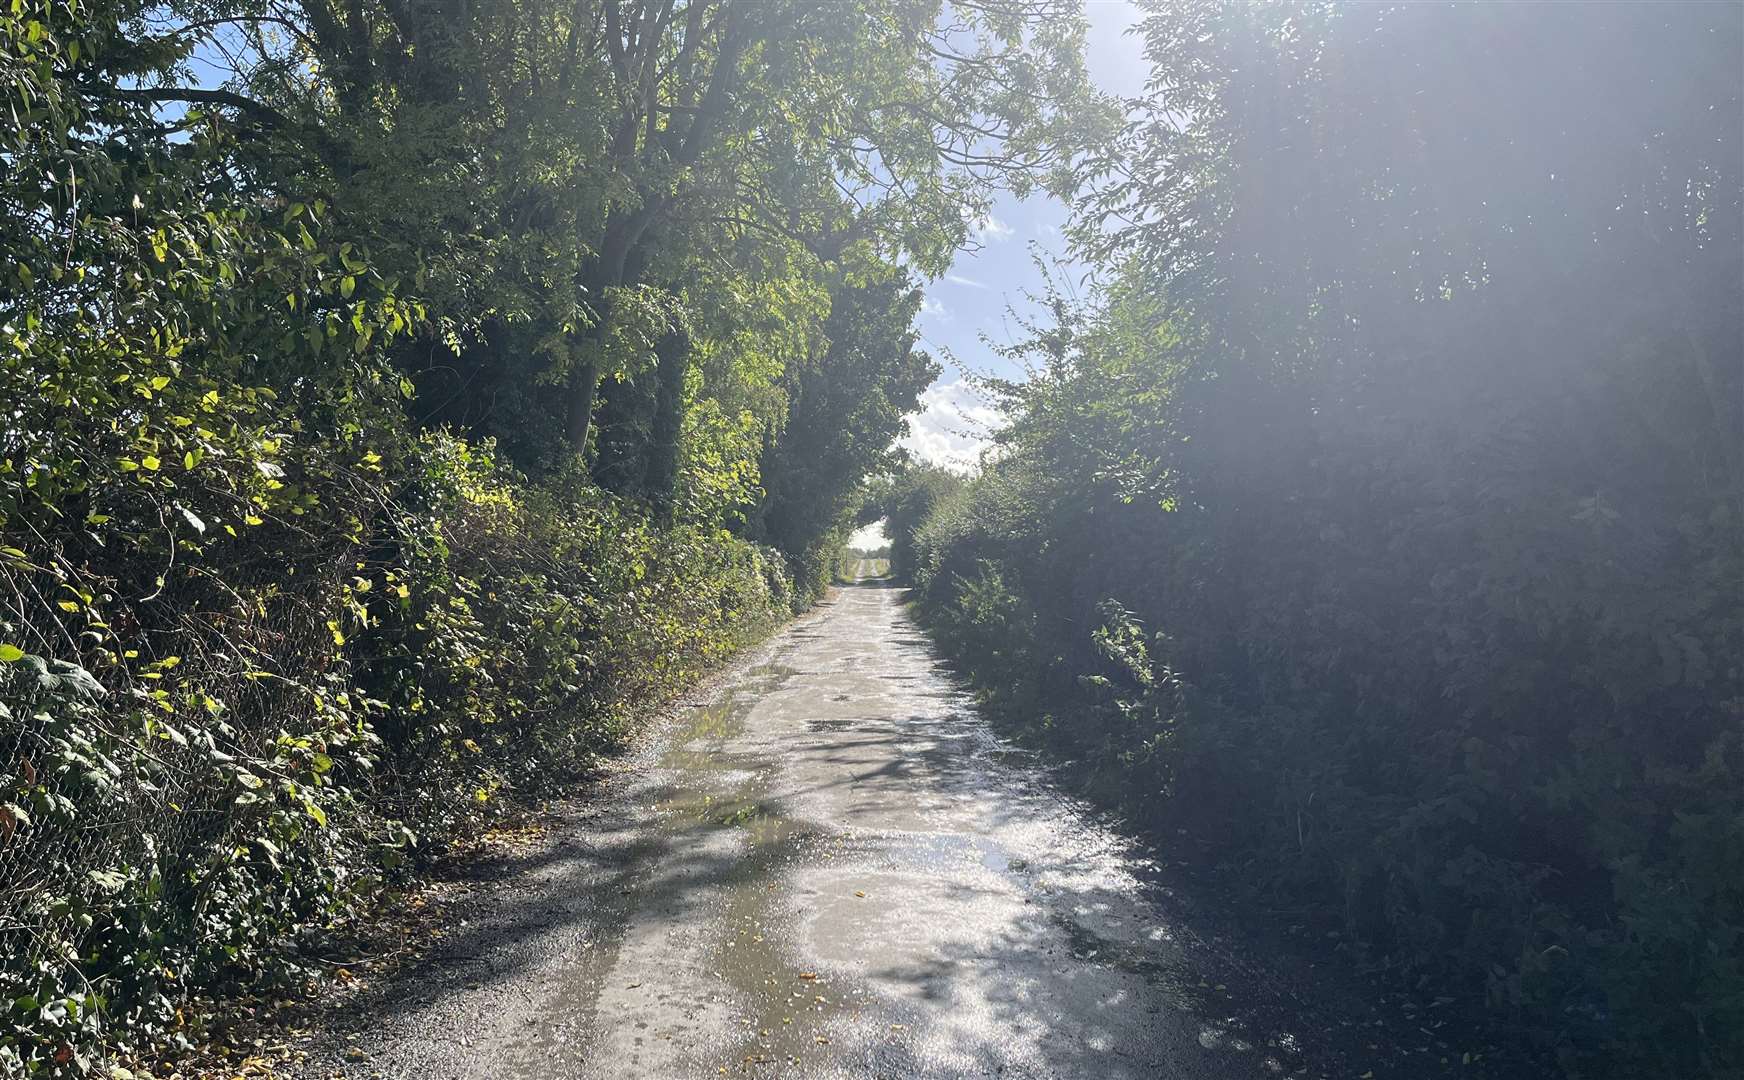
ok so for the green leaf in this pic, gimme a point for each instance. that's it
(108, 880)
(10, 654)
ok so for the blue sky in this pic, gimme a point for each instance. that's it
(972, 299)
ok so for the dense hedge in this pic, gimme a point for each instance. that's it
(272, 667)
(1382, 523)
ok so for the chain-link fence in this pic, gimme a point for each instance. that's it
(149, 786)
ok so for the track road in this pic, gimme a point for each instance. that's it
(832, 868)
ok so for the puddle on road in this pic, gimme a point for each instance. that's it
(712, 785)
(605, 1005)
(785, 1015)
(831, 725)
(780, 1013)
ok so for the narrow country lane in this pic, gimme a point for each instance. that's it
(834, 869)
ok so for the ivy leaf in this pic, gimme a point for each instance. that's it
(107, 880)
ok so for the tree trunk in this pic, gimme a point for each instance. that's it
(666, 433)
(623, 233)
(583, 388)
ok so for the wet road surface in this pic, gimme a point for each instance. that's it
(832, 868)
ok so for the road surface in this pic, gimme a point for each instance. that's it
(832, 868)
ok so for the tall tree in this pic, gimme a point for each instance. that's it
(847, 405)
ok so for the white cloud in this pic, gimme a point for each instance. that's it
(934, 308)
(990, 228)
(987, 228)
(953, 426)
(958, 279)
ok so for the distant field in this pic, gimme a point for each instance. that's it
(855, 567)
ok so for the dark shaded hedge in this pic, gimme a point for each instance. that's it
(1386, 532)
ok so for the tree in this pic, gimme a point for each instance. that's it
(847, 405)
